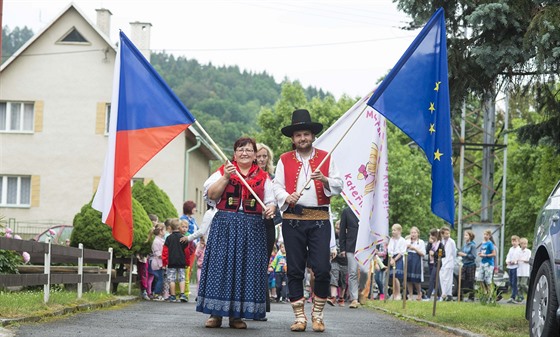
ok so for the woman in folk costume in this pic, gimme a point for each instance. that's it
(233, 279)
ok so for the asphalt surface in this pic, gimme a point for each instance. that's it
(148, 318)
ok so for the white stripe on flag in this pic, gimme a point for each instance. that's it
(361, 157)
(103, 200)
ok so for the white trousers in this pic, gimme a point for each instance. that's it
(446, 280)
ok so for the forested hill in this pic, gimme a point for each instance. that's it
(225, 100)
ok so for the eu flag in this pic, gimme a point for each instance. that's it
(415, 97)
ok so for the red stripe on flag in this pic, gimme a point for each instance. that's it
(133, 150)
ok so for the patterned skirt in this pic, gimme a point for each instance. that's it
(233, 279)
(414, 268)
(398, 270)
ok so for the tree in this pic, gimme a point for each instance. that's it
(154, 200)
(93, 234)
(514, 40)
(13, 40)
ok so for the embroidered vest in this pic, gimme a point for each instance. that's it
(231, 198)
(292, 170)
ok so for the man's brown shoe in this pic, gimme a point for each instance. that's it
(318, 324)
(237, 323)
(299, 325)
(214, 322)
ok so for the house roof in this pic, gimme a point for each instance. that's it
(46, 28)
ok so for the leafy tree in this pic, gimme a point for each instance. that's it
(154, 200)
(517, 40)
(532, 173)
(13, 40)
(93, 234)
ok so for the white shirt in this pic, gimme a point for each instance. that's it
(396, 246)
(513, 257)
(524, 269)
(308, 197)
(450, 252)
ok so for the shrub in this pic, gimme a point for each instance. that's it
(154, 200)
(94, 234)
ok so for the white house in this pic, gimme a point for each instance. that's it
(55, 94)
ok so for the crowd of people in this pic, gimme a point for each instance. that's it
(267, 236)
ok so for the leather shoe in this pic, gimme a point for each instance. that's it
(214, 322)
(263, 319)
(237, 323)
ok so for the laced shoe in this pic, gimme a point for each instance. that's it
(317, 314)
(301, 320)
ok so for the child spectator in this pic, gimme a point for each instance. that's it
(189, 208)
(396, 249)
(199, 253)
(523, 270)
(416, 249)
(156, 262)
(174, 259)
(271, 275)
(447, 264)
(434, 247)
(468, 271)
(339, 271)
(512, 259)
(487, 253)
(379, 269)
(278, 265)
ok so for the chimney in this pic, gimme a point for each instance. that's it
(140, 35)
(104, 20)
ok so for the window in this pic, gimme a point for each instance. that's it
(73, 36)
(16, 117)
(15, 191)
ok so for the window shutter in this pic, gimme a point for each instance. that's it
(35, 190)
(96, 180)
(100, 118)
(39, 116)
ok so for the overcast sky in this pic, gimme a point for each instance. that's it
(341, 46)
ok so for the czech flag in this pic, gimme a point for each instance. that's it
(145, 116)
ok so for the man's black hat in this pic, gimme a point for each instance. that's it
(301, 120)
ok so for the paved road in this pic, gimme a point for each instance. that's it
(144, 318)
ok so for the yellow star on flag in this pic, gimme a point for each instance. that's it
(437, 155)
(437, 86)
(432, 128)
(432, 108)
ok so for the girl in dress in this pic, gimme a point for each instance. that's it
(416, 249)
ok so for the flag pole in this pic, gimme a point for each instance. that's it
(226, 159)
(335, 146)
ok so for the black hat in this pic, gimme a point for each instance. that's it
(301, 120)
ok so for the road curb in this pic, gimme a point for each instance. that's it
(455, 331)
(68, 310)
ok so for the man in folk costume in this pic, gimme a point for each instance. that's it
(306, 225)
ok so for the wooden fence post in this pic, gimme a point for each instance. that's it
(130, 274)
(109, 270)
(81, 270)
(47, 270)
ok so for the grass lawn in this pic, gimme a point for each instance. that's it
(30, 302)
(501, 320)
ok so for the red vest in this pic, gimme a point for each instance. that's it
(235, 192)
(292, 169)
